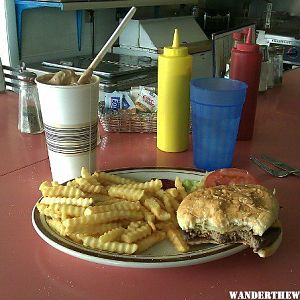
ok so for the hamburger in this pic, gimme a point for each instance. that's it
(241, 213)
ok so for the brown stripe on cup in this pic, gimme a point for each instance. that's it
(71, 140)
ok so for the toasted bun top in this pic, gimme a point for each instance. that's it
(226, 208)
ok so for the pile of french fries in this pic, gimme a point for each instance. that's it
(107, 212)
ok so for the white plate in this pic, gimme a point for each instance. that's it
(163, 255)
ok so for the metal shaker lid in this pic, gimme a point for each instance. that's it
(27, 77)
(265, 52)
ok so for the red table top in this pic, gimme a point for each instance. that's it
(31, 269)
(19, 150)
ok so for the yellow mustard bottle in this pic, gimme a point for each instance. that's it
(173, 108)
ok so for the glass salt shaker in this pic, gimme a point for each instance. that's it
(264, 72)
(30, 116)
(278, 64)
(271, 67)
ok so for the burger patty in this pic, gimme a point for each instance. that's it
(246, 237)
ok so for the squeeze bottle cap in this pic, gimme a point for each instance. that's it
(175, 49)
(248, 46)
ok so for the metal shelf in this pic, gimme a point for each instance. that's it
(123, 3)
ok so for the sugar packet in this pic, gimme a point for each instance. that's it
(118, 100)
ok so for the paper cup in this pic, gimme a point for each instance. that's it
(70, 119)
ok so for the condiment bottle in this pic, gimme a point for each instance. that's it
(245, 66)
(173, 109)
(30, 117)
(238, 37)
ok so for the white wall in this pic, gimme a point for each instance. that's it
(50, 33)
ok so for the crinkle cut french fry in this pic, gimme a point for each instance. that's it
(134, 225)
(166, 198)
(180, 188)
(101, 218)
(155, 208)
(44, 209)
(62, 191)
(112, 235)
(148, 215)
(84, 202)
(112, 178)
(86, 175)
(131, 236)
(68, 210)
(121, 248)
(122, 205)
(152, 195)
(91, 229)
(149, 186)
(164, 226)
(76, 237)
(152, 225)
(150, 240)
(177, 240)
(125, 193)
(86, 186)
(108, 212)
(44, 184)
(173, 194)
(57, 226)
(72, 183)
(100, 199)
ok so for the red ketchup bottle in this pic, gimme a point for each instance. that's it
(245, 66)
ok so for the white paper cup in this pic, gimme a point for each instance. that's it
(70, 118)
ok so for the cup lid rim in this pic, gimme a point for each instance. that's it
(232, 85)
(38, 81)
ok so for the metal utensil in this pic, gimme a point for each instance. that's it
(281, 165)
(274, 172)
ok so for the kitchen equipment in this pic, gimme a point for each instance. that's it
(222, 43)
(117, 72)
(245, 66)
(290, 43)
(112, 65)
(148, 37)
(173, 112)
(215, 20)
(30, 116)
(86, 76)
(274, 172)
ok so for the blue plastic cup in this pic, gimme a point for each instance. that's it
(216, 111)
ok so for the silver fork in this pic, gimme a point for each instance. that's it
(274, 172)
